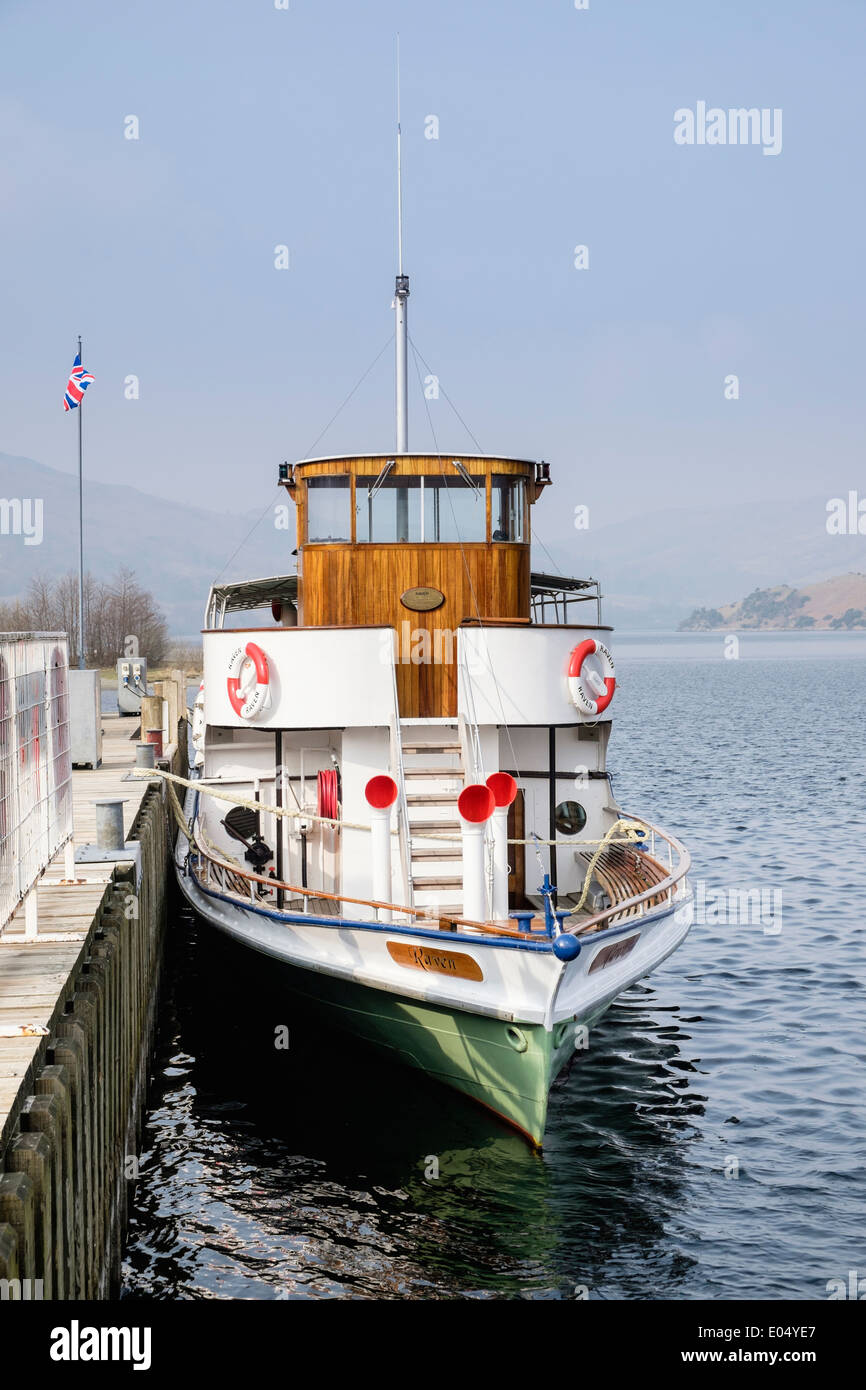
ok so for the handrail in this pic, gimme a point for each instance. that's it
(402, 806)
(664, 885)
(470, 735)
(489, 928)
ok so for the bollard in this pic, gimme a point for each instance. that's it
(381, 793)
(145, 755)
(475, 805)
(109, 823)
(504, 789)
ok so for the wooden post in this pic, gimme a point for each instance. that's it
(165, 690)
(180, 677)
(151, 721)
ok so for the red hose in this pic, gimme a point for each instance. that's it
(327, 804)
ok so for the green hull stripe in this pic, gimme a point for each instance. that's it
(507, 1067)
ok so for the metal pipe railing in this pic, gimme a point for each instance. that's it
(626, 906)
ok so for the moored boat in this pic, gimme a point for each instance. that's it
(400, 793)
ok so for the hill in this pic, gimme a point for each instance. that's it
(832, 604)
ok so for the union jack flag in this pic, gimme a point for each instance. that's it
(79, 380)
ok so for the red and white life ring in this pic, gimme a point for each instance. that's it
(248, 681)
(580, 684)
(198, 726)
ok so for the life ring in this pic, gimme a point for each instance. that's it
(248, 681)
(198, 726)
(578, 683)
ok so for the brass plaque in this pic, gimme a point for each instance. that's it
(453, 963)
(422, 600)
(615, 951)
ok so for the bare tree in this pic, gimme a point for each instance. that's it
(113, 612)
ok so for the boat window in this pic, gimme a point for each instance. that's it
(329, 509)
(509, 508)
(389, 510)
(455, 510)
(416, 509)
(569, 817)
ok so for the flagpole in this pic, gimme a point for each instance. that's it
(80, 531)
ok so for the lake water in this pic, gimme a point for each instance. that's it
(709, 1143)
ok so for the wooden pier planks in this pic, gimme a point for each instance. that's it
(36, 976)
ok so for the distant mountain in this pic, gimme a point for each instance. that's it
(654, 569)
(176, 549)
(833, 604)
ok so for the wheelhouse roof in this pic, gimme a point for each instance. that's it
(415, 454)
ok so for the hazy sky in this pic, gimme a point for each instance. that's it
(261, 127)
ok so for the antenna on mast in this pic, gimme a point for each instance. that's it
(401, 296)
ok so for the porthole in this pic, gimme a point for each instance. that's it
(569, 817)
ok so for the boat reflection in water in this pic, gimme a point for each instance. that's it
(297, 1173)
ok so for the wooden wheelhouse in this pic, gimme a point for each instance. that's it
(418, 542)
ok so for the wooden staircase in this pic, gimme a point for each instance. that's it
(434, 776)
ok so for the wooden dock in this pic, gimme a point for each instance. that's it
(72, 1085)
(33, 973)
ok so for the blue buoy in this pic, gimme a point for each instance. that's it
(566, 946)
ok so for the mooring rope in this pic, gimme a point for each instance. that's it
(632, 830)
(235, 800)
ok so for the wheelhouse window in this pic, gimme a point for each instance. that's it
(329, 509)
(508, 508)
(455, 509)
(420, 509)
(387, 509)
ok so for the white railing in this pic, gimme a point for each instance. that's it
(404, 832)
(35, 761)
(670, 888)
(470, 732)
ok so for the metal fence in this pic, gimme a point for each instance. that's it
(35, 763)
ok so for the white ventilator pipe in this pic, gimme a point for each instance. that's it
(504, 789)
(381, 793)
(475, 805)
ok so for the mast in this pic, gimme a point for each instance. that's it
(401, 298)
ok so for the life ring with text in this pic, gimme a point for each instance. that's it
(589, 691)
(198, 724)
(248, 681)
